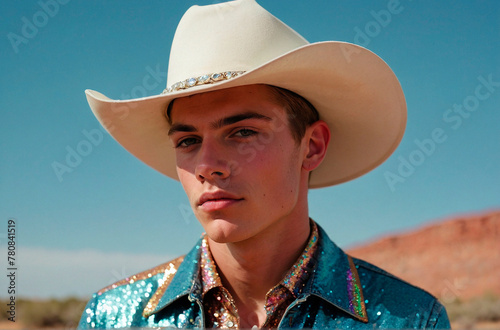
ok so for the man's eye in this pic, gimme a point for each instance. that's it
(245, 132)
(184, 143)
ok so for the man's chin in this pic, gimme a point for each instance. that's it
(225, 231)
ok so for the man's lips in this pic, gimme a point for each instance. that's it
(217, 200)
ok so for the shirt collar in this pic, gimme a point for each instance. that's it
(209, 276)
(299, 273)
(334, 279)
(294, 279)
(186, 282)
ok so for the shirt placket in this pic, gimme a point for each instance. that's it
(225, 315)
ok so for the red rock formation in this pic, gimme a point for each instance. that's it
(457, 258)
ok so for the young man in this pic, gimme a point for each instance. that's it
(247, 144)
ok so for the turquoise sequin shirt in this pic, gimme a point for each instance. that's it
(342, 293)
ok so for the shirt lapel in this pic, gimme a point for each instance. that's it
(336, 279)
(185, 282)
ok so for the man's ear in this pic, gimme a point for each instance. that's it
(317, 137)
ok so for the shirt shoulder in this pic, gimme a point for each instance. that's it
(389, 299)
(144, 275)
(125, 303)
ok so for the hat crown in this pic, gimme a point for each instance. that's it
(231, 36)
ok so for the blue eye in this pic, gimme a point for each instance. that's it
(245, 132)
(186, 142)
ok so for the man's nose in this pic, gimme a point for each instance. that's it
(212, 163)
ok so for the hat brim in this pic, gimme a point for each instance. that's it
(354, 91)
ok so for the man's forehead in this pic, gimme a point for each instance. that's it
(242, 99)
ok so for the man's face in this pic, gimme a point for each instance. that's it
(237, 161)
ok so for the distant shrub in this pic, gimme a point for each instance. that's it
(51, 313)
(483, 309)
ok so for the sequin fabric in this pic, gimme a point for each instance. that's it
(356, 301)
(129, 295)
(220, 308)
(340, 293)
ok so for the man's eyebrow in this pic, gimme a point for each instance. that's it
(179, 127)
(237, 118)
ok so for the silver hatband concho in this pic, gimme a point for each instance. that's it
(202, 80)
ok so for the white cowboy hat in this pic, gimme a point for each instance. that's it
(239, 43)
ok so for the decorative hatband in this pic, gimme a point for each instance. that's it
(202, 80)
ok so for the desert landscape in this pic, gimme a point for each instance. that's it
(455, 259)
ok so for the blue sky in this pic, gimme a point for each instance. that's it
(112, 215)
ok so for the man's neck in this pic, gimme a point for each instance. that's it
(250, 268)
